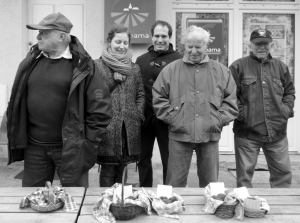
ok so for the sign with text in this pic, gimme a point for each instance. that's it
(215, 28)
(137, 15)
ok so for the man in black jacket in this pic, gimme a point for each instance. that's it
(59, 108)
(265, 97)
(160, 54)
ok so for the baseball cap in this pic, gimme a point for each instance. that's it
(55, 21)
(261, 35)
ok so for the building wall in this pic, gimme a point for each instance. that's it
(10, 39)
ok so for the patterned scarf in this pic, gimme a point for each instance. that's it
(119, 63)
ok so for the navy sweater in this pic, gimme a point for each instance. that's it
(48, 89)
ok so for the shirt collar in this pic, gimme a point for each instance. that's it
(66, 54)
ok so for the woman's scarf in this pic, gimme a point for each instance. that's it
(119, 63)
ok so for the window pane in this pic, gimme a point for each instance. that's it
(282, 27)
(181, 20)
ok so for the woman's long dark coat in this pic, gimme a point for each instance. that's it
(128, 101)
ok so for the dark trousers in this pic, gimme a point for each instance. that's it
(40, 164)
(159, 130)
(277, 157)
(110, 174)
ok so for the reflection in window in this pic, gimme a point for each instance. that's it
(283, 32)
(181, 19)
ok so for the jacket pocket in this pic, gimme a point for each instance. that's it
(248, 87)
(286, 111)
(178, 116)
(216, 123)
(278, 86)
(81, 134)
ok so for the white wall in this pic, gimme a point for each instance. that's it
(10, 39)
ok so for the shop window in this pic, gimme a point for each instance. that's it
(219, 53)
(282, 27)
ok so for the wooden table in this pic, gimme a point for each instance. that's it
(10, 198)
(284, 204)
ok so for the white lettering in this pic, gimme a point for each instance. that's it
(213, 50)
(140, 36)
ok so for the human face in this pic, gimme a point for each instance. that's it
(48, 41)
(120, 43)
(261, 50)
(195, 47)
(160, 38)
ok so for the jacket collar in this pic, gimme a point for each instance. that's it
(205, 60)
(170, 50)
(267, 59)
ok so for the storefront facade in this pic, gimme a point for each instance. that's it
(237, 19)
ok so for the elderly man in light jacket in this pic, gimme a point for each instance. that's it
(196, 97)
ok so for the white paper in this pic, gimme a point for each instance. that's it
(242, 192)
(164, 191)
(217, 188)
(127, 191)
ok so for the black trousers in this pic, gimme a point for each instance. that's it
(159, 130)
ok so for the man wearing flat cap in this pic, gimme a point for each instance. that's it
(266, 94)
(59, 108)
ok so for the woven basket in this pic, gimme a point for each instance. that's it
(51, 205)
(252, 213)
(226, 211)
(125, 211)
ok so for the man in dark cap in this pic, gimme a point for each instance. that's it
(59, 108)
(266, 94)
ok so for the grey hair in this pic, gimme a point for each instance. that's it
(204, 34)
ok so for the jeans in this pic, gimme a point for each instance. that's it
(154, 129)
(180, 157)
(277, 157)
(110, 174)
(40, 164)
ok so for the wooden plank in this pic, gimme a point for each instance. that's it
(37, 218)
(284, 200)
(200, 191)
(17, 200)
(22, 191)
(200, 218)
(197, 210)
(14, 208)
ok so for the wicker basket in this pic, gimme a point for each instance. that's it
(51, 205)
(125, 211)
(252, 213)
(226, 211)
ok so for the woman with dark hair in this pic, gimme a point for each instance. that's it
(122, 143)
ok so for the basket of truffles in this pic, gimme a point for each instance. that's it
(219, 201)
(167, 206)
